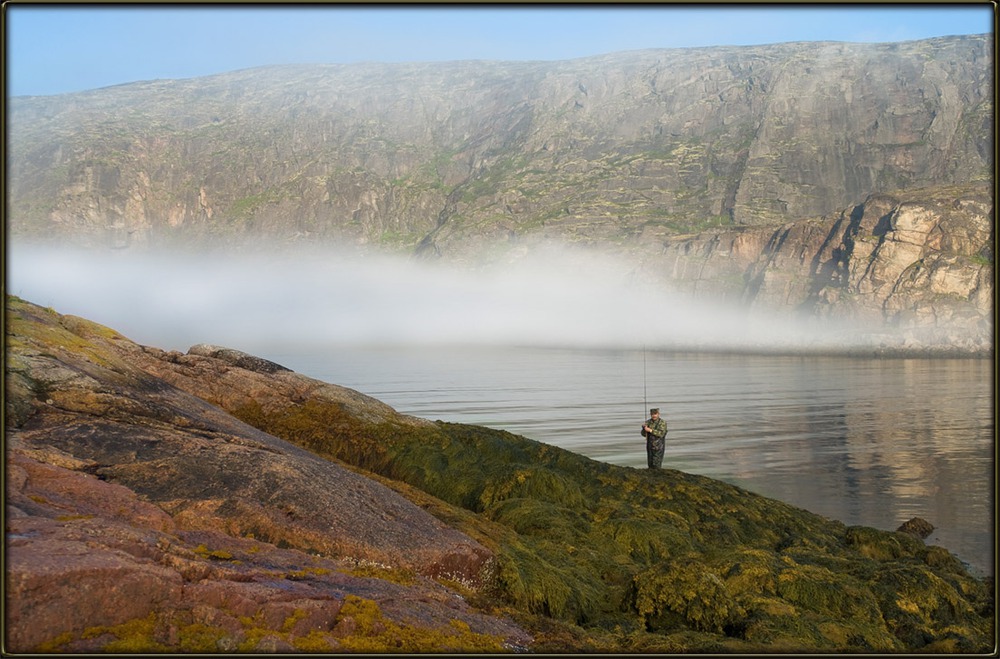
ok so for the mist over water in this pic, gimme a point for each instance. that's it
(262, 301)
(861, 440)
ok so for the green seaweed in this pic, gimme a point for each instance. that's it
(594, 546)
(373, 632)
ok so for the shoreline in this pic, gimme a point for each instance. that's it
(761, 351)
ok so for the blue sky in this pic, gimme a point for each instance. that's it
(52, 49)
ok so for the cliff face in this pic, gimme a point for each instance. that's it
(761, 135)
(478, 161)
(909, 271)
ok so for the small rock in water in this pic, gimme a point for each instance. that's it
(917, 526)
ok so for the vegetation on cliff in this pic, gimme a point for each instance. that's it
(461, 156)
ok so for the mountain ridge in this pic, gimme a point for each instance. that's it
(477, 162)
(632, 105)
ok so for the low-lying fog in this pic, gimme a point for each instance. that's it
(303, 298)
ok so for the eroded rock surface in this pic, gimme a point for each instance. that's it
(129, 498)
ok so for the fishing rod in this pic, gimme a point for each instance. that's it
(645, 405)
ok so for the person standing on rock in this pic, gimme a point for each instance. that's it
(655, 432)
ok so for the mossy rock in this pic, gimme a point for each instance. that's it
(535, 483)
(685, 593)
(916, 603)
(647, 541)
(883, 545)
(702, 565)
(528, 516)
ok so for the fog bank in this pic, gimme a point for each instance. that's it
(259, 302)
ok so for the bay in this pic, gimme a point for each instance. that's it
(865, 441)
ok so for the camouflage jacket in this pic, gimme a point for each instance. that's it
(659, 428)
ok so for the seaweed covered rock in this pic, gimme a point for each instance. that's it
(588, 556)
(683, 562)
(586, 534)
(916, 526)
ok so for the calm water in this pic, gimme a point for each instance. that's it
(864, 441)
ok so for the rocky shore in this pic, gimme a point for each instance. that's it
(140, 518)
(207, 501)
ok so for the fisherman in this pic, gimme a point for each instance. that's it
(655, 432)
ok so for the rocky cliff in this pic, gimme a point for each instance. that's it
(141, 518)
(480, 161)
(213, 500)
(912, 271)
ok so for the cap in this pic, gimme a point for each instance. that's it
(654, 410)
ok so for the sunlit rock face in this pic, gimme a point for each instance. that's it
(916, 269)
(128, 498)
(608, 145)
(929, 267)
